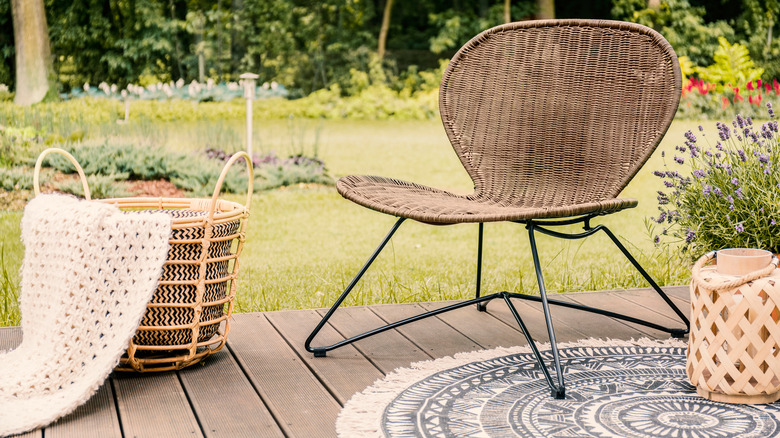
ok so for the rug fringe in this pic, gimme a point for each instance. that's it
(362, 414)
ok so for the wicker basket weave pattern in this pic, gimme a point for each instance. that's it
(188, 317)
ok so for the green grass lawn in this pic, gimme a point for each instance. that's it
(305, 244)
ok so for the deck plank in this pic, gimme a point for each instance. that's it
(533, 318)
(621, 302)
(388, 350)
(97, 418)
(300, 404)
(481, 327)
(432, 335)
(154, 405)
(296, 325)
(10, 338)
(224, 401)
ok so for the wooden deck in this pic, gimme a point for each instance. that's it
(265, 384)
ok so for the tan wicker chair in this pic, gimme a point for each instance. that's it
(551, 119)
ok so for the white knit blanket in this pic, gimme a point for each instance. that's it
(88, 273)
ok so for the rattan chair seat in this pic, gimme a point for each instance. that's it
(435, 206)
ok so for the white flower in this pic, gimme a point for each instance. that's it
(114, 88)
(180, 83)
(124, 94)
(274, 85)
(266, 86)
(210, 84)
(3, 88)
(86, 86)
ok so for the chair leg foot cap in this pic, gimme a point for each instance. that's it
(482, 307)
(679, 333)
(559, 393)
(320, 353)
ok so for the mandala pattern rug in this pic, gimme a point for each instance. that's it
(613, 389)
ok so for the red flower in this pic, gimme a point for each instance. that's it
(776, 86)
(750, 86)
(758, 81)
(725, 102)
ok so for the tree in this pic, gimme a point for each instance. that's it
(35, 77)
(545, 9)
(384, 28)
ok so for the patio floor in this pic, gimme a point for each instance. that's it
(265, 384)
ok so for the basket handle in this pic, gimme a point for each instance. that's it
(39, 163)
(737, 282)
(223, 175)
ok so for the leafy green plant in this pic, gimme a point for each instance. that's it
(732, 65)
(723, 196)
(15, 178)
(100, 186)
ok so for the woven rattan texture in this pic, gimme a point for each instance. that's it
(735, 338)
(177, 294)
(549, 118)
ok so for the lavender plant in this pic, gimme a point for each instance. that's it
(724, 196)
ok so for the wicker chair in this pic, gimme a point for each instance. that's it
(551, 119)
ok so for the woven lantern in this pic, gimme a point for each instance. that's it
(734, 344)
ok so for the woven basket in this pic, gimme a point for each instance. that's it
(188, 317)
(734, 344)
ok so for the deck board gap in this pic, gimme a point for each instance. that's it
(312, 371)
(252, 383)
(357, 346)
(192, 405)
(420, 347)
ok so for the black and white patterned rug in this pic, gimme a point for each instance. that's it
(613, 389)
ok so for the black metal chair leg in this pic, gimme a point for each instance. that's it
(559, 391)
(677, 333)
(320, 352)
(481, 306)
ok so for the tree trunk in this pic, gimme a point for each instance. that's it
(384, 28)
(507, 11)
(545, 9)
(34, 66)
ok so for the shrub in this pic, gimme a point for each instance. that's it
(15, 178)
(723, 196)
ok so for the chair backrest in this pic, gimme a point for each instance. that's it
(558, 112)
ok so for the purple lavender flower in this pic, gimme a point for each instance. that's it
(763, 158)
(658, 173)
(730, 199)
(742, 155)
(731, 207)
(771, 111)
(663, 154)
(738, 192)
(739, 227)
(735, 181)
(749, 121)
(657, 240)
(689, 135)
(772, 222)
(689, 235)
(740, 121)
(661, 217)
(699, 173)
(766, 170)
(717, 191)
(679, 160)
(701, 128)
(669, 184)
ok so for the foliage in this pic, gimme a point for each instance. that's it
(680, 23)
(726, 196)
(732, 65)
(272, 172)
(456, 27)
(757, 28)
(704, 100)
(9, 294)
(100, 186)
(15, 178)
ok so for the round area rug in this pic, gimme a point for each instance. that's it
(613, 389)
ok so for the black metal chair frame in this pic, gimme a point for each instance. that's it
(557, 389)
